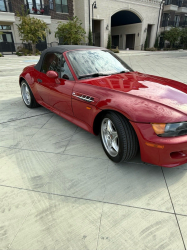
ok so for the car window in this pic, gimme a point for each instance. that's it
(65, 71)
(52, 61)
(56, 62)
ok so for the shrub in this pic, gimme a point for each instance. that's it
(156, 45)
(146, 43)
(151, 49)
(116, 50)
(172, 35)
(109, 42)
(18, 53)
(1, 55)
(71, 32)
(90, 40)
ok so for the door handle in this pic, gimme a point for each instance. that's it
(39, 80)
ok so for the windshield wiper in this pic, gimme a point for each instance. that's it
(94, 75)
(123, 71)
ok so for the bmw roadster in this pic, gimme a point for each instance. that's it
(96, 90)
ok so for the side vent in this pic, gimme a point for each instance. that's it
(84, 97)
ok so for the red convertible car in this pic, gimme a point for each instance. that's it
(96, 90)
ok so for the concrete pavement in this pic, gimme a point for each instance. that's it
(58, 190)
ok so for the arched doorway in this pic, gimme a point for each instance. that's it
(126, 29)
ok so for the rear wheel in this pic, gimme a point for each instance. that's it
(27, 95)
(118, 138)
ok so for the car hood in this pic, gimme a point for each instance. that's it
(161, 90)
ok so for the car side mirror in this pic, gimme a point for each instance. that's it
(52, 74)
(65, 77)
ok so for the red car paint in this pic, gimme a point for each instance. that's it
(142, 99)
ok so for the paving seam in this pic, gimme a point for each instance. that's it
(92, 200)
(9, 247)
(70, 139)
(102, 210)
(173, 209)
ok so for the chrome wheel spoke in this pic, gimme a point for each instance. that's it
(109, 126)
(109, 137)
(115, 146)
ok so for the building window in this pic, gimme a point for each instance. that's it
(5, 27)
(61, 6)
(185, 20)
(176, 21)
(51, 6)
(2, 5)
(167, 2)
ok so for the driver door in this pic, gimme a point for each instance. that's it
(56, 92)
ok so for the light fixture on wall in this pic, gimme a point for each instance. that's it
(94, 5)
(107, 27)
(138, 34)
(145, 29)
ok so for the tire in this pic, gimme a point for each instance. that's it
(118, 138)
(27, 96)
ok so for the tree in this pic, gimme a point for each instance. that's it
(146, 43)
(172, 35)
(31, 29)
(156, 45)
(184, 37)
(71, 32)
(109, 42)
(90, 38)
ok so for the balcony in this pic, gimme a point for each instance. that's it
(6, 12)
(168, 24)
(182, 8)
(38, 11)
(171, 5)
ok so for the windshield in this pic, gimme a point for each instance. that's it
(93, 63)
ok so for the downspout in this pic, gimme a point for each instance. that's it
(159, 18)
(89, 12)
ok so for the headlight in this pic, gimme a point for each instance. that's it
(170, 129)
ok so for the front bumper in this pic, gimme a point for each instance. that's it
(172, 151)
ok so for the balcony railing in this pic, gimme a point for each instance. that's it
(173, 2)
(37, 9)
(166, 23)
(179, 3)
(6, 6)
(183, 24)
(182, 4)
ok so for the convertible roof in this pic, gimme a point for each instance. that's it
(61, 49)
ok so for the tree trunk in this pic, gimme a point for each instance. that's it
(34, 48)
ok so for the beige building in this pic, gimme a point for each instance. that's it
(129, 21)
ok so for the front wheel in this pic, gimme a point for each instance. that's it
(118, 138)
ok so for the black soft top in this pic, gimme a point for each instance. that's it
(61, 49)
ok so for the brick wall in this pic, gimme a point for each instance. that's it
(61, 16)
(16, 6)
